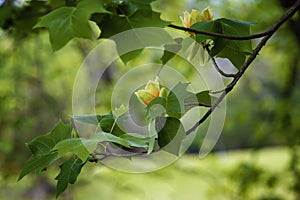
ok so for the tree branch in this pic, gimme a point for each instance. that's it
(197, 104)
(261, 44)
(219, 70)
(219, 35)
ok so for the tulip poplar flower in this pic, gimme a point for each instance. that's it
(152, 90)
(196, 16)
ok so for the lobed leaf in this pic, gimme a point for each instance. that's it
(170, 134)
(69, 172)
(65, 23)
(38, 163)
(44, 143)
(77, 146)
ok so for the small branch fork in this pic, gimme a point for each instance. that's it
(266, 35)
(218, 68)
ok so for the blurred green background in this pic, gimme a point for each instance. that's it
(256, 157)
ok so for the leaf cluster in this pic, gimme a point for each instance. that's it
(165, 132)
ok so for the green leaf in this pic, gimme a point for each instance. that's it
(123, 22)
(65, 23)
(56, 3)
(237, 27)
(175, 99)
(37, 163)
(136, 140)
(103, 136)
(170, 134)
(130, 55)
(201, 97)
(69, 172)
(234, 50)
(235, 56)
(44, 144)
(109, 124)
(170, 50)
(78, 146)
(83, 147)
(136, 5)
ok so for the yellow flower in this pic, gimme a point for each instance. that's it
(152, 90)
(195, 16)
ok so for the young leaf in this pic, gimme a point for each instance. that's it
(170, 135)
(69, 172)
(37, 163)
(65, 23)
(44, 143)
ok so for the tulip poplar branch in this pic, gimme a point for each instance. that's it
(270, 32)
(229, 37)
(218, 68)
(220, 35)
(197, 104)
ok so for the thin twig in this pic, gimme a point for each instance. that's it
(197, 104)
(219, 70)
(246, 65)
(219, 35)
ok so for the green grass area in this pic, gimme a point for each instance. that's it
(217, 176)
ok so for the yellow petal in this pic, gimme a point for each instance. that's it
(196, 17)
(207, 13)
(152, 88)
(163, 92)
(144, 96)
(186, 19)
